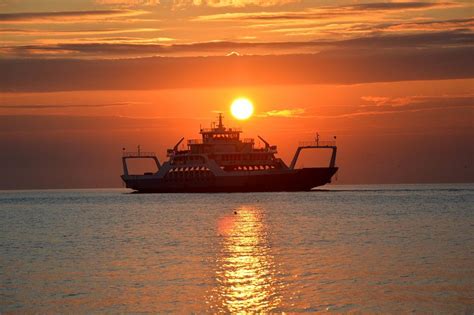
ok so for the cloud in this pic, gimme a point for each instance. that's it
(65, 16)
(233, 54)
(396, 111)
(420, 40)
(390, 112)
(412, 5)
(125, 49)
(51, 123)
(332, 29)
(359, 30)
(39, 32)
(432, 25)
(436, 101)
(378, 100)
(293, 112)
(48, 123)
(231, 3)
(342, 66)
(129, 3)
(323, 12)
(454, 38)
(381, 105)
(66, 106)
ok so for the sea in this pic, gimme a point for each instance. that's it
(340, 249)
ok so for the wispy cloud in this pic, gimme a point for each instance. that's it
(438, 100)
(61, 106)
(396, 111)
(323, 12)
(408, 5)
(66, 16)
(382, 105)
(455, 37)
(116, 47)
(231, 3)
(290, 112)
(340, 21)
(416, 26)
(129, 3)
(40, 32)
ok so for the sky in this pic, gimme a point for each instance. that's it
(82, 79)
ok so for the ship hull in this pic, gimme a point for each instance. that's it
(295, 180)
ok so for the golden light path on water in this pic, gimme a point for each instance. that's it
(245, 270)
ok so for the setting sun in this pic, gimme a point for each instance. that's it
(241, 108)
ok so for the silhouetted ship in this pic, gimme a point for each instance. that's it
(222, 162)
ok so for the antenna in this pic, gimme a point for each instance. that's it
(220, 121)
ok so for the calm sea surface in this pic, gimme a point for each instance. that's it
(396, 249)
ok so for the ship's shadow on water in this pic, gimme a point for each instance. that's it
(224, 192)
(338, 189)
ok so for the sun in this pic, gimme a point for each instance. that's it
(241, 108)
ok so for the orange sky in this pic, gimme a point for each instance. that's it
(81, 79)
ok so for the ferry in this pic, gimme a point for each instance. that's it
(223, 162)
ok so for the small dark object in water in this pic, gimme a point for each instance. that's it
(235, 212)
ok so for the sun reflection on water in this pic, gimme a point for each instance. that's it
(245, 270)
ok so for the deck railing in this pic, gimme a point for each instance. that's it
(227, 129)
(199, 141)
(194, 141)
(138, 154)
(321, 143)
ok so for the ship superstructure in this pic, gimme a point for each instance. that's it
(223, 162)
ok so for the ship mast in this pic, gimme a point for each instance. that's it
(221, 125)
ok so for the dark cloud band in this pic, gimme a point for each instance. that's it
(331, 67)
(33, 16)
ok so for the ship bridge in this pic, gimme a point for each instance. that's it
(219, 139)
(227, 149)
(220, 133)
